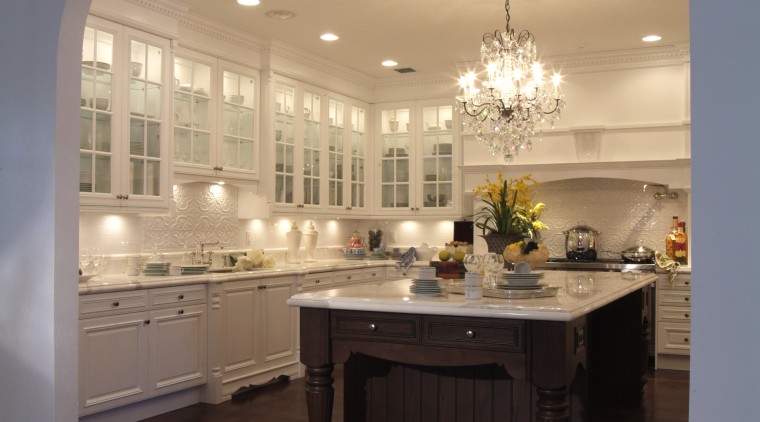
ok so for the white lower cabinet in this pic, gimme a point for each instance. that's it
(137, 345)
(673, 339)
(254, 334)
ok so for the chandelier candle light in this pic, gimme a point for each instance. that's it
(504, 110)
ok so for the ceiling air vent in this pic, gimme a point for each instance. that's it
(405, 70)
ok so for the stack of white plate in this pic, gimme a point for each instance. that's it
(194, 269)
(156, 268)
(522, 280)
(426, 287)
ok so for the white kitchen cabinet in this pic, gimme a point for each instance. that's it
(341, 278)
(319, 150)
(216, 116)
(416, 153)
(141, 344)
(124, 118)
(254, 334)
(673, 338)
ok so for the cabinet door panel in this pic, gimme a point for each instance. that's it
(178, 348)
(240, 307)
(113, 361)
(278, 321)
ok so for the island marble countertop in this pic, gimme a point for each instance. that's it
(394, 296)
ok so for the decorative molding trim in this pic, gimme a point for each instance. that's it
(165, 7)
(623, 59)
(216, 30)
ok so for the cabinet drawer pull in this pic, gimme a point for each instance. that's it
(372, 327)
(686, 315)
(686, 283)
(181, 311)
(147, 322)
(374, 274)
(469, 334)
(348, 277)
(686, 299)
(686, 340)
(180, 297)
(115, 304)
(317, 281)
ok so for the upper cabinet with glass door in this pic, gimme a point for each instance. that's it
(319, 150)
(215, 117)
(418, 159)
(124, 140)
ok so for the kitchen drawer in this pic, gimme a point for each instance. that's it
(674, 313)
(348, 276)
(178, 295)
(682, 281)
(374, 274)
(317, 280)
(474, 333)
(112, 303)
(674, 338)
(674, 297)
(398, 328)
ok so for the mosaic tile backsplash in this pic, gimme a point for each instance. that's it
(619, 209)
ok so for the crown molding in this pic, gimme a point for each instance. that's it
(677, 54)
(165, 7)
(312, 61)
(220, 32)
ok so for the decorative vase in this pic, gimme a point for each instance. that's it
(310, 236)
(294, 243)
(497, 242)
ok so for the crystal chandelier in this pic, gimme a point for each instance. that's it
(504, 110)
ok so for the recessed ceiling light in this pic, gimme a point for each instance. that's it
(280, 14)
(651, 38)
(329, 37)
(389, 63)
(248, 2)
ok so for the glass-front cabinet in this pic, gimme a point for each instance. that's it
(215, 117)
(416, 149)
(123, 119)
(319, 150)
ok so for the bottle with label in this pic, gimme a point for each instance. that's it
(670, 239)
(682, 245)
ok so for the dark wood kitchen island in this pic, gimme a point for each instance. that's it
(419, 358)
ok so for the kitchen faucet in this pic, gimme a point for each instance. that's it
(660, 195)
(202, 253)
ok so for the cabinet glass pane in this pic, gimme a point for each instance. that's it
(192, 112)
(102, 172)
(182, 146)
(335, 141)
(144, 176)
(238, 116)
(103, 132)
(201, 148)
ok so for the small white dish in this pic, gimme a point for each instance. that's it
(522, 268)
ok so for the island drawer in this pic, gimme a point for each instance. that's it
(398, 328)
(474, 333)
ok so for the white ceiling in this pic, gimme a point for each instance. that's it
(432, 36)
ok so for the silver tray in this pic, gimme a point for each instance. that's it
(545, 291)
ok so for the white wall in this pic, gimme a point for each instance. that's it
(38, 271)
(725, 356)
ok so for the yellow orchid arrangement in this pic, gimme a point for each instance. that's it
(509, 206)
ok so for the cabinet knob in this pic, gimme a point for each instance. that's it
(372, 327)
(686, 315)
(469, 334)
(317, 281)
(686, 340)
(686, 299)
(147, 322)
(115, 304)
(374, 274)
(181, 311)
(348, 277)
(180, 297)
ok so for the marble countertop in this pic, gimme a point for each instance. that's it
(120, 282)
(394, 296)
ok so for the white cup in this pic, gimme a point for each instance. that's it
(473, 286)
(426, 273)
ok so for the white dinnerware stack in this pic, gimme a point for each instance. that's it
(156, 268)
(426, 283)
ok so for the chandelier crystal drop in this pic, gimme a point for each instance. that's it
(504, 110)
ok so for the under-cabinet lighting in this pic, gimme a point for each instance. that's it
(248, 2)
(329, 37)
(651, 38)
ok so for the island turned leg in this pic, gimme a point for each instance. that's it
(319, 393)
(553, 405)
(316, 356)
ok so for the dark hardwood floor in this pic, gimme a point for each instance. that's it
(666, 399)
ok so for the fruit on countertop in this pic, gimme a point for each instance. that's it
(458, 256)
(444, 255)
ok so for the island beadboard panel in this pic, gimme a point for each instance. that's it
(619, 209)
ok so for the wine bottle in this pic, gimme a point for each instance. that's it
(670, 239)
